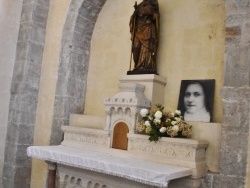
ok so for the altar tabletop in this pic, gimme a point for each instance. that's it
(132, 168)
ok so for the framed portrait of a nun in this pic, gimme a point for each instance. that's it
(196, 100)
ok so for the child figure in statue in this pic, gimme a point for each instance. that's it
(144, 29)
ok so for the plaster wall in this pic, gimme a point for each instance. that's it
(10, 12)
(50, 63)
(191, 47)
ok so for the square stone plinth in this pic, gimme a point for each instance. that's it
(154, 86)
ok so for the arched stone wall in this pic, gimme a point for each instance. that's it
(10, 14)
(74, 60)
(26, 77)
(24, 92)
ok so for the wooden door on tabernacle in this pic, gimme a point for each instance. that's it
(120, 139)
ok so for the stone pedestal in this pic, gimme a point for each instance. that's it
(154, 86)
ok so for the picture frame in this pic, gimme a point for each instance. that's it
(196, 99)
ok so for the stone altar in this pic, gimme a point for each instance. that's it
(87, 157)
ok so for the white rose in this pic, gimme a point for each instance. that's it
(157, 121)
(173, 122)
(144, 112)
(147, 123)
(175, 128)
(177, 119)
(158, 115)
(163, 129)
(178, 112)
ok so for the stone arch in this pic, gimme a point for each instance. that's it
(66, 178)
(79, 182)
(72, 180)
(120, 110)
(25, 83)
(118, 119)
(89, 185)
(128, 111)
(74, 60)
(97, 185)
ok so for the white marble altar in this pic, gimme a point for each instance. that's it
(145, 162)
(86, 159)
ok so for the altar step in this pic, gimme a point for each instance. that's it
(146, 173)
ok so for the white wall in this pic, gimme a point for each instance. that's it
(10, 12)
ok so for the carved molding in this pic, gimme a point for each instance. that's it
(174, 151)
(170, 150)
(86, 136)
(70, 177)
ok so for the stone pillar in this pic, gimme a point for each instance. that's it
(235, 135)
(108, 120)
(236, 100)
(73, 67)
(24, 93)
(10, 15)
(154, 86)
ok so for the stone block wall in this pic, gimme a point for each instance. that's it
(24, 93)
(236, 100)
(74, 59)
(9, 26)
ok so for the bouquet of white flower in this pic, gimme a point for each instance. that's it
(158, 124)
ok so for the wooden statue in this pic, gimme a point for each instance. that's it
(144, 29)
